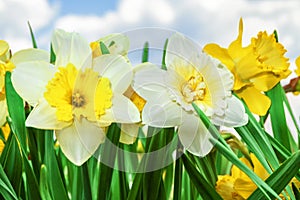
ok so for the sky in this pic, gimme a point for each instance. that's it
(204, 21)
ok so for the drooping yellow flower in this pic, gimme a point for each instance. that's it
(238, 185)
(257, 67)
(78, 96)
(191, 76)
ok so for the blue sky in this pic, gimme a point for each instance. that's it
(85, 7)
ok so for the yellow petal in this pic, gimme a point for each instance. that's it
(265, 81)
(258, 169)
(298, 66)
(257, 102)
(244, 187)
(221, 54)
(224, 187)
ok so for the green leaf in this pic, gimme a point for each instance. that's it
(178, 176)
(205, 189)
(6, 189)
(52, 55)
(152, 179)
(16, 111)
(44, 189)
(163, 64)
(11, 160)
(55, 178)
(280, 178)
(103, 48)
(145, 55)
(32, 36)
(123, 182)
(108, 154)
(279, 125)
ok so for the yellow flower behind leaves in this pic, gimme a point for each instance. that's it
(238, 185)
(5, 130)
(257, 67)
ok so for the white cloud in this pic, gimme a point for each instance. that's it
(15, 14)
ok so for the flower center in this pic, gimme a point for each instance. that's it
(78, 93)
(194, 89)
(78, 100)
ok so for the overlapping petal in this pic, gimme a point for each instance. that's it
(80, 140)
(30, 79)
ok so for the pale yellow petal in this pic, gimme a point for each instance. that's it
(43, 116)
(80, 140)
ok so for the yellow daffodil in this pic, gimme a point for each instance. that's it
(5, 65)
(191, 76)
(238, 185)
(6, 131)
(257, 67)
(78, 96)
(297, 71)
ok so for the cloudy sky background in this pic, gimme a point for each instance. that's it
(204, 21)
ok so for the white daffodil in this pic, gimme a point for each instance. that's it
(191, 76)
(77, 96)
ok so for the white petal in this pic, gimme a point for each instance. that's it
(80, 140)
(149, 81)
(116, 69)
(181, 48)
(194, 136)
(70, 48)
(30, 79)
(122, 111)
(234, 114)
(162, 112)
(129, 133)
(43, 116)
(30, 55)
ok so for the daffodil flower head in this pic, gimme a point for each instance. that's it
(238, 185)
(78, 96)
(257, 67)
(116, 43)
(191, 77)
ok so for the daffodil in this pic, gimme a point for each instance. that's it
(6, 131)
(191, 76)
(238, 185)
(5, 65)
(257, 67)
(78, 96)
